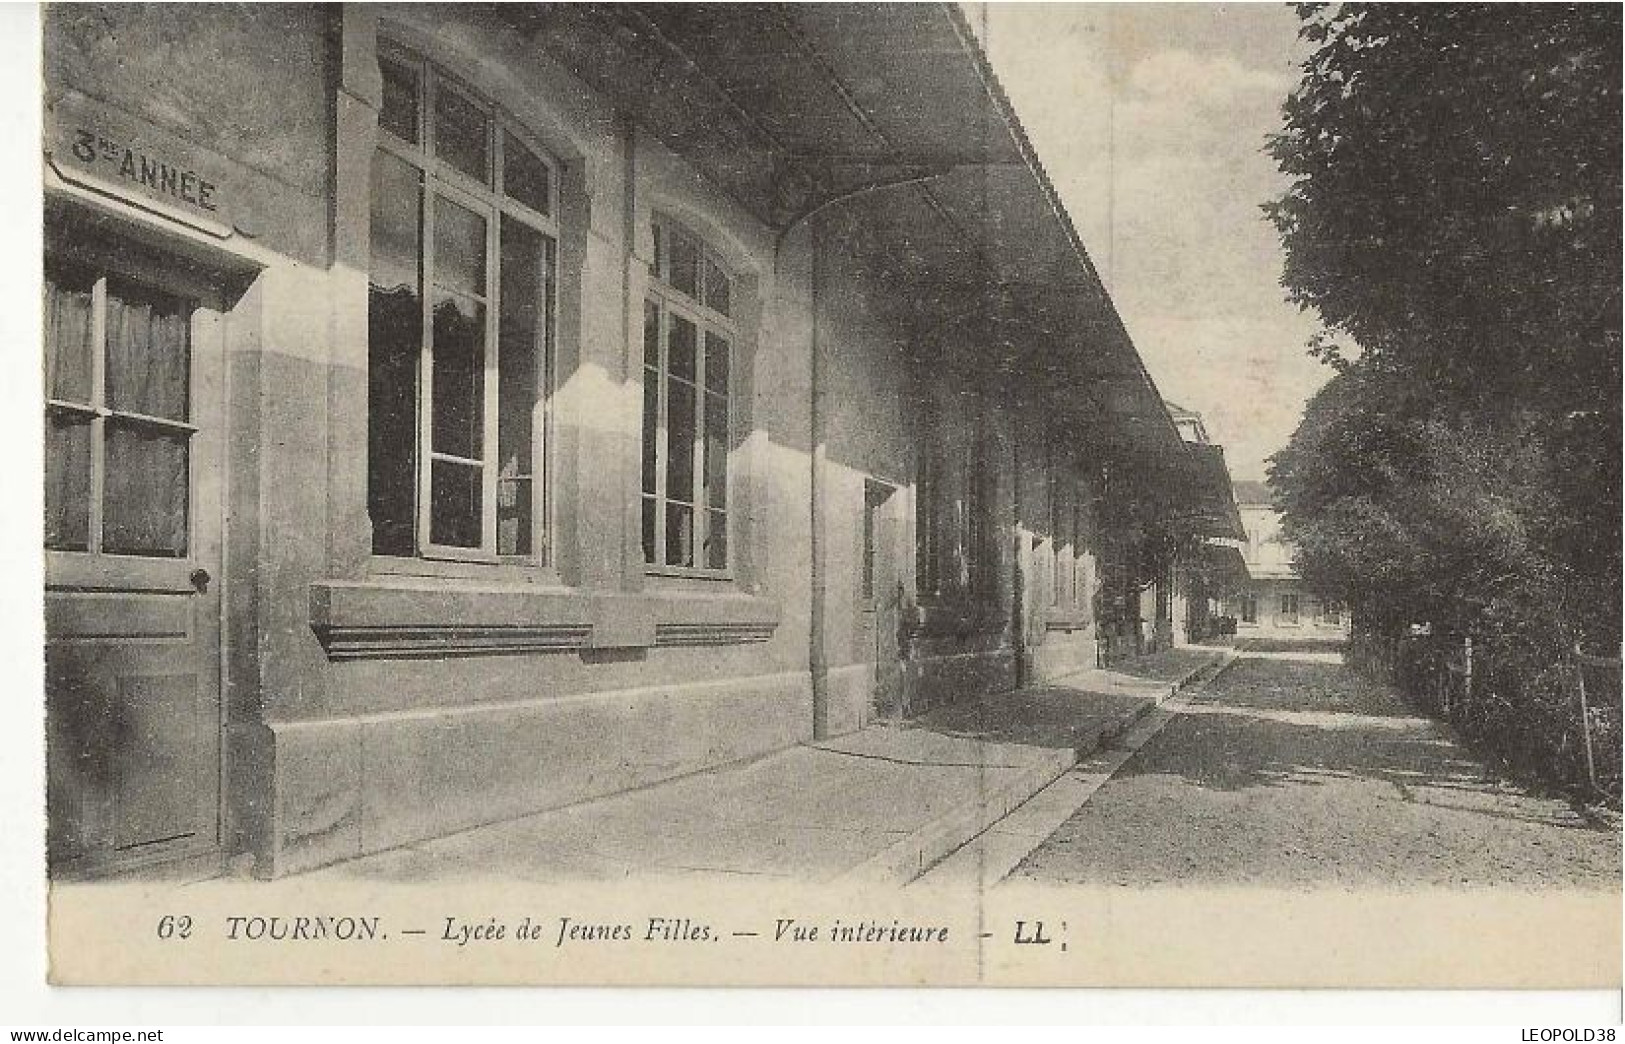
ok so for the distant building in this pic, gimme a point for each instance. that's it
(1208, 564)
(1275, 601)
(1190, 425)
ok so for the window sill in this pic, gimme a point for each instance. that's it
(1065, 619)
(684, 573)
(406, 617)
(957, 617)
(507, 571)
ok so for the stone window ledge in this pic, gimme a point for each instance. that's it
(957, 617)
(1065, 620)
(406, 618)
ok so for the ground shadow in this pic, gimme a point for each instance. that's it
(1272, 722)
(1292, 645)
(1170, 665)
(1300, 773)
(1054, 716)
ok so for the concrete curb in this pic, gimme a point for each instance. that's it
(922, 851)
(994, 851)
(905, 860)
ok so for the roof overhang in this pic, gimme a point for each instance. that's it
(1202, 504)
(1221, 565)
(885, 121)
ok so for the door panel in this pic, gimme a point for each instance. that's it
(134, 364)
(155, 794)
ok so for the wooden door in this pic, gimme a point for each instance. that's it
(133, 415)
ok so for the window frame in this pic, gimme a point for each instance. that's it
(980, 527)
(439, 178)
(956, 550)
(669, 301)
(1289, 617)
(928, 527)
(1064, 556)
(157, 274)
(1081, 577)
(877, 496)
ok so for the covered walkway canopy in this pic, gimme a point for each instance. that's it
(887, 121)
(1199, 502)
(1221, 565)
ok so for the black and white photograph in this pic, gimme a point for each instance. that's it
(845, 494)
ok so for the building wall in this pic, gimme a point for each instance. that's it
(373, 701)
(864, 424)
(1313, 619)
(1266, 551)
(674, 673)
(1061, 535)
(1271, 561)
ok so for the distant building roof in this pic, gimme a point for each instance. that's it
(1250, 492)
(1189, 422)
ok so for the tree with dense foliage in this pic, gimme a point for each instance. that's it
(1454, 220)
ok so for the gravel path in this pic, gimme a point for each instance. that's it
(1290, 770)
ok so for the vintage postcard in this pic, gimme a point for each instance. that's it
(880, 494)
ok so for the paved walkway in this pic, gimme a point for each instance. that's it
(1289, 770)
(878, 805)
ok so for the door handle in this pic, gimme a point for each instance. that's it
(200, 579)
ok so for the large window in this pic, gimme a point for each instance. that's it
(954, 539)
(1069, 503)
(1060, 543)
(1082, 558)
(460, 315)
(118, 431)
(1289, 608)
(875, 497)
(688, 338)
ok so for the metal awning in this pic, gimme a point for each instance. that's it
(886, 120)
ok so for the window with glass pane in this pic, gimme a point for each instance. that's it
(118, 426)
(956, 551)
(688, 342)
(1083, 561)
(399, 113)
(1058, 542)
(930, 513)
(461, 318)
(976, 553)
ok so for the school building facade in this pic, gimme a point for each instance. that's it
(454, 412)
